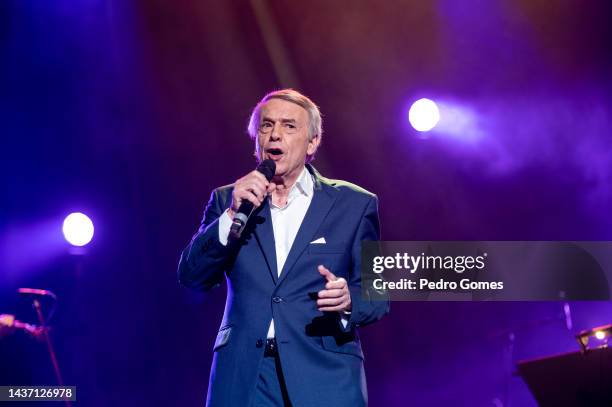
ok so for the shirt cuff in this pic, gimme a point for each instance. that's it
(225, 224)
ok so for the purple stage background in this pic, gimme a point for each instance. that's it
(132, 111)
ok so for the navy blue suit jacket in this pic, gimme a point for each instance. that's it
(322, 361)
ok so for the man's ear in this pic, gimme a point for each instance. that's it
(313, 145)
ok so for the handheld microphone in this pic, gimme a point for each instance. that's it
(267, 168)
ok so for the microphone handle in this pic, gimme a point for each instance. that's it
(267, 168)
(240, 219)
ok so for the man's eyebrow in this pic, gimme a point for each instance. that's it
(269, 119)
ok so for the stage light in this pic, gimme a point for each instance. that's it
(78, 229)
(424, 114)
(601, 333)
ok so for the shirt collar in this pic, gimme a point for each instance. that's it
(303, 185)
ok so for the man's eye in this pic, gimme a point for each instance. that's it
(290, 126)
(265, 125)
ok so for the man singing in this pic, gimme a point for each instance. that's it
(294, 292)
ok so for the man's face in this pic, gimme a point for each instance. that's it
(283, 137)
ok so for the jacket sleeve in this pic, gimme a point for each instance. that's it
(368, 305)
(204, 260)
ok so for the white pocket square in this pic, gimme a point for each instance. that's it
(320, 240)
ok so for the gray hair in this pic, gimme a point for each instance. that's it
(315, 126)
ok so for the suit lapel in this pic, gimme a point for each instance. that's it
(265, 237)
(320, 205)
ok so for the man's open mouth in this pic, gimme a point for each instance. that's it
(274, 153)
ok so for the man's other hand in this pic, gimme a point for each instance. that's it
(336, 296)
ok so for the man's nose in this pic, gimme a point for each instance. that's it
(276, 133)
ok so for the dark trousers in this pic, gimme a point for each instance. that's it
(271, 390)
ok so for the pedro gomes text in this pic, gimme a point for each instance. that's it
(413, 264)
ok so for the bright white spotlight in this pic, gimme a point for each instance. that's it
(78, 229)
(424, 114)
(601, 335)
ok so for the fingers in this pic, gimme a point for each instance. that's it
(332, 302)
(337, 308)
(240, 197)
(271, 187)
(255, 183)
(339, 283)
(336, 296)
(335, 293)
(329, 276)
(335, 289)
(336, 304)
(253, 187)
(258, 175)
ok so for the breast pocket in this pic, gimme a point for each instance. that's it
(315, 248)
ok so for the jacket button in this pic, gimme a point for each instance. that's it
(259, 343)
(277, 299)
